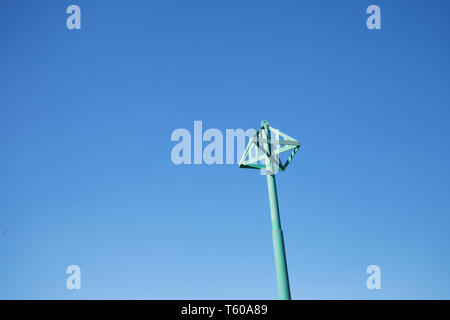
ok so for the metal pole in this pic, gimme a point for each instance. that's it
(284, 290)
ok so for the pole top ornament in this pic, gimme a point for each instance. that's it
(266, 145)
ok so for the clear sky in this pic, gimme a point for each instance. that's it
(86, 176)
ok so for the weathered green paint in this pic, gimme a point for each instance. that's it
(263, 141)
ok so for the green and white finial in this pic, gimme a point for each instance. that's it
(263, 146)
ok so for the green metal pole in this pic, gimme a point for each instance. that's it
(284, 290)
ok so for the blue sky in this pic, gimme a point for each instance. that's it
(86, 176)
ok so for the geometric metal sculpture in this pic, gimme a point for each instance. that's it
(260, 140)
(263, 148)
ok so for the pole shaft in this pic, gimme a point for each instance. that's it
(284, 290)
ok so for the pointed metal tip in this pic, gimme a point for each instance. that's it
(264, 122)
